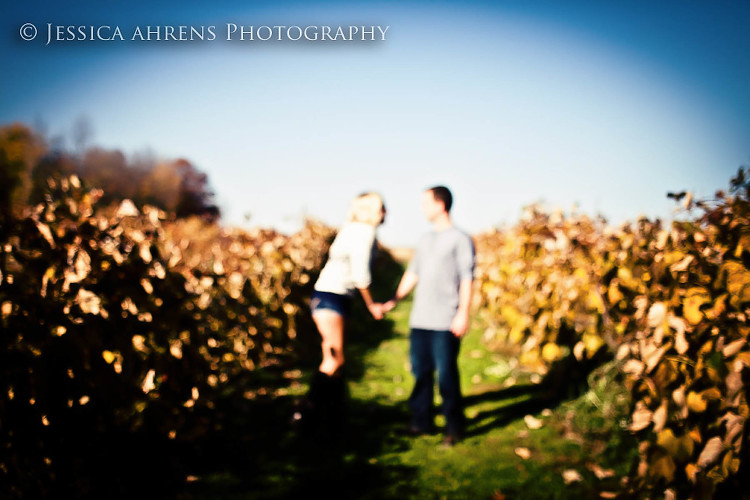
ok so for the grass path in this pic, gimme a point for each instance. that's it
(498, 397)
(502, 457)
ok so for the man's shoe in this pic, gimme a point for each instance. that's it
(413, 431)
(451, 440)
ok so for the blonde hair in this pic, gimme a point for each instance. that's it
(367, 208)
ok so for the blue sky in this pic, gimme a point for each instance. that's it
(605, 105)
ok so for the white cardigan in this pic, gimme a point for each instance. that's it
(348, 266)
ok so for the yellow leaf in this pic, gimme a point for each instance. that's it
(678, 396)
(733, 348)
(533, 422)
(695, 435)
(653, 359)
(571, 476)
(738, 282)
(596, 302)
(744, 357)
(735, 425)
(144, 251)
(6, 308)
(175, 348)
(127, 209)
(661, 240)
(664, 467)
(551, 352)
(641, 419)
(680, 448)
(734, 384)
(681, 344)
(622, 352)
(46, 233)
(516, 335)
(730, 465)
(695, 402)
(660, 416)
(614, 294)
(691, 471)
(139, 342)
(673, 257)
(683, 264)
(688, 201)
(148, 382)
(667, 440)
(600, 472)
(694, 299)
(719, 307)
(657, 314)
(634, 367)
(710, 452)
(642, 468)
(88, 302)
(592, 342)
(626, 278)
(578, 350)
(711, 394)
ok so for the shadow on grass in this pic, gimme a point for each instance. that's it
(565, 381)
(525, 399)
(257, 452)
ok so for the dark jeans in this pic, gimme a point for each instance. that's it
(430, 350)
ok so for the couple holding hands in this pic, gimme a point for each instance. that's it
(440, 273)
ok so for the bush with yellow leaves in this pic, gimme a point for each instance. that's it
(671, 303)
(687, 357)
(540, 287)
(120, 329)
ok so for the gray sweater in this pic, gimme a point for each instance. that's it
(441, 261)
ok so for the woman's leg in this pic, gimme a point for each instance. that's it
(331, 327)
(325, 400)
(423, 367)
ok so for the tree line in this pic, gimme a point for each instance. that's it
(28, 159)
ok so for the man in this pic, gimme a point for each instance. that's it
(442, 271)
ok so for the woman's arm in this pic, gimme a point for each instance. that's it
(360, 254)
(375, 309)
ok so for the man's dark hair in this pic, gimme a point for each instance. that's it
(443, 194)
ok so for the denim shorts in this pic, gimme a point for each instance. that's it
(331, 301)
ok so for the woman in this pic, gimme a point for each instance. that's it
(345, 275)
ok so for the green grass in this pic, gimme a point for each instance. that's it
(572, 436)
(368, 458)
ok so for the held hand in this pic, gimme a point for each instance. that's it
(376, 310)
(460, 325)
(388, 306)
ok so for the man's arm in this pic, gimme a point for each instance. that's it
(460, 323)
(405, 286)
(465, 261)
